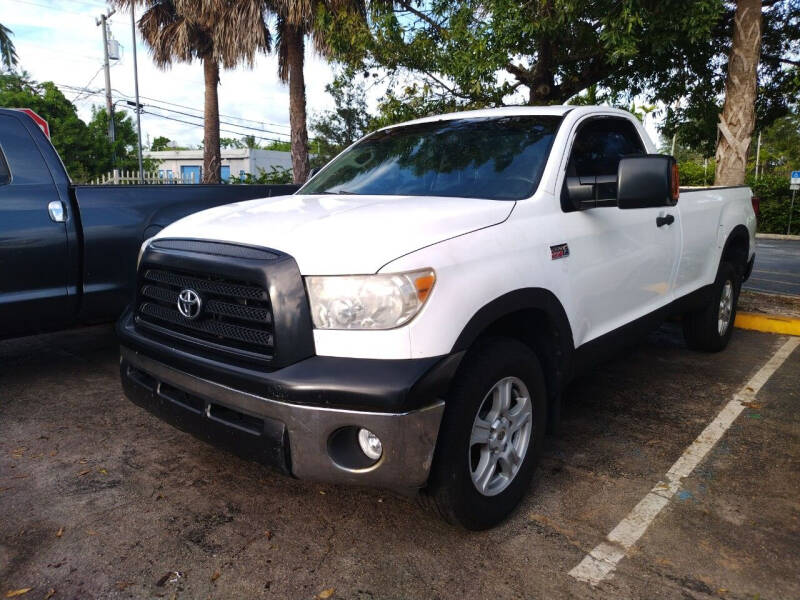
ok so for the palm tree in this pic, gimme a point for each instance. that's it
(8, 54)
(738, 116)
(218, 33)
(295, 20)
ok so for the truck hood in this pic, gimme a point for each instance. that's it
(341, 234)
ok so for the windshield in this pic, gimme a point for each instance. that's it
(497, 158)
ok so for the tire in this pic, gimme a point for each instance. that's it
(493, 366)
(703, 329)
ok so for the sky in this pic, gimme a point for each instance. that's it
(59, 41)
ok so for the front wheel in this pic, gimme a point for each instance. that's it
(491, 436)
(711, 327)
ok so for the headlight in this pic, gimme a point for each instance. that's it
(368, 301)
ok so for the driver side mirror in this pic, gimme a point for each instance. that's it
(647, 181)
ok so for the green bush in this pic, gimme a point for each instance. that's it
(776, 199)
(692, 173)
(275, 175)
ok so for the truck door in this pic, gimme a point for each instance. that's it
(622, 262)
(33, 236)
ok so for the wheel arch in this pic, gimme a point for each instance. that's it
(737, 249)
(535, 317)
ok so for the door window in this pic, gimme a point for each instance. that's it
(597, 150)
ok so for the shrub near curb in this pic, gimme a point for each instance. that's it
(775, 202)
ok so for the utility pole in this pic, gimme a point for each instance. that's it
(136, 88)
(101, 21)
(758, 153)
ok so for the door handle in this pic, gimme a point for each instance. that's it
(56, 211)
(668, 220)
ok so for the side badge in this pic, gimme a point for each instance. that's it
(559, 251)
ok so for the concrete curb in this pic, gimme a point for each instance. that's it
(768, 323)
(776, 236)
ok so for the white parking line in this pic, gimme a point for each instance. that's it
(601, 562)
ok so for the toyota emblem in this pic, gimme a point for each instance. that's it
(189, 303)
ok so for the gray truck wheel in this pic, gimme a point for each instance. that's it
(491, 435)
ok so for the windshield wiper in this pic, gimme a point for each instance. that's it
(340, 192)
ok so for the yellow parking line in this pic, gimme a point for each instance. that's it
(768, 323)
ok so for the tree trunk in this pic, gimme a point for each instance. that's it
(212, 159)
(297, 103)
(737, 120)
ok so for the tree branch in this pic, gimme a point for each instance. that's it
(521, 73)
(787, 61)
(421, 15)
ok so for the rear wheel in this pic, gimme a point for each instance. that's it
(491, 436)
(711, 327)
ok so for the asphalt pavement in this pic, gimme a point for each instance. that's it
(777, 267)
(99, 499)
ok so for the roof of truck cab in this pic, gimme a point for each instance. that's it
(512, 111)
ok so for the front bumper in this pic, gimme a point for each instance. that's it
(295, 438)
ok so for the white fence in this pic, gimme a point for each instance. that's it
(118, 177)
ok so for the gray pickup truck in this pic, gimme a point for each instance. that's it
(68, 252)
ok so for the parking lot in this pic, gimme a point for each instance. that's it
(100, 499)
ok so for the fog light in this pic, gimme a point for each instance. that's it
(370, 444)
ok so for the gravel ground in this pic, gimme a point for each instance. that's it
(98, 499)
(770, 304)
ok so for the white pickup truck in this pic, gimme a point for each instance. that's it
(409, 317)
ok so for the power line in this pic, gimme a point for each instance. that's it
(86, 87)
(123, 96)
(221, 121)
(221, 115)
(145, 112)
(120, 96)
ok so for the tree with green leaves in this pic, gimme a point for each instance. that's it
(227, 142)
(336, 129)
(780, 149)
(8, 53)
(160, 143)
(695, 96)
(493, 52)
(84, 148)
(218, 33)
(122, 154)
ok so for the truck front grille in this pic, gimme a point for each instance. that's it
(234, 316)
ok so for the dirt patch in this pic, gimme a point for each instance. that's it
(771, 304)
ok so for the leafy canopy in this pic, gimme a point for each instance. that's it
(695, 93)
(84, 147)
(335, 130)
(492, 52)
